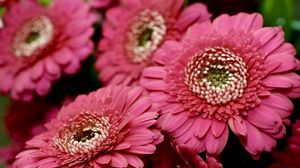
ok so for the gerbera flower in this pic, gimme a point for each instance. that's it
(230, 73)
(23, 121)
(107, 128)
(290, 158)
(170, 155)
(39, 44)
(134, 30)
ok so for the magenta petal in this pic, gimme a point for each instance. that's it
(266, 34)
(48, 162)
(134, 161)
(118, 160)
(238, 126)
(145, 120)
(37, 71)
(270, 142)
(140, 106)
(194, 13)
(147, 149)
(155, 85)
(246, 22)
(202, 127)
(274, 43)
(104, 159)
(277, 81)
(167, 53)
(217, 128)
(63, 57)
(279, 101)
(155, 72)
(43, 87)
(222, 24)
(122, 146)
(254, 142)
(177, 121)
(214, 146)
(52, 68)
(265, 118)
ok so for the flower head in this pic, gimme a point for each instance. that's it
(107, 128)
(39, 44)
(231, 73)
(134, 30)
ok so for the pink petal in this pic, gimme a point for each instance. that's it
(134, 161)
(194, 13)
(147, 149)
(214, 146)
(172, 125)
(270, 142)
(155, 85)
(103, 159)
(52, 68)
(217, 128)
(37, 71)
(277, 81)
(63, 56)
(167, 53)
(266, 34)
(264, 118)
(118, 160)
(277, 100)
(155, 72)
(254, 142)
(222, 24)
(238, 126)
(122, 146)
(140, 106)
(246, 22)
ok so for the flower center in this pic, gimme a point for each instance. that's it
(145, 34)
(33, 37)
(83, 134)
(216, 75)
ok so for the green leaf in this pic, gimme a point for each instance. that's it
(278, 13)
(2, 11)
(4, 101)
(45, 2)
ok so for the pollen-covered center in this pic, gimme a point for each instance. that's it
(145, 34)
(216, 75)
(83, 134)
(33, 37)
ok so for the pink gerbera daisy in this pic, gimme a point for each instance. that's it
(39, 43)
(134, 30)
(107, 128)
(290, 158)
(230, 73)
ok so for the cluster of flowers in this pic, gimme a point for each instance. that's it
(176, 82)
